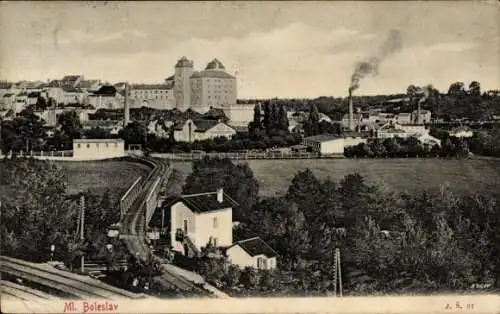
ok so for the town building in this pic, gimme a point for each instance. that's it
(192, 130)
(158, 96)
(200, 219)
(404, 118)
(212, 87)
(420, 132)
(98, 149)
(357, 120)
(106, 97)
(239, 115)
(252, 252)
(206, 219)
(111, 126)
(182, 84)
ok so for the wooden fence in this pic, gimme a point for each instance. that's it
(245, 156)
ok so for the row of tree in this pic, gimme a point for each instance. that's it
(407, 147)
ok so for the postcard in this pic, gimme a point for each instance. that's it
(250, 157)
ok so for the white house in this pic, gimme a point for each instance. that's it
(461, 131)
(98, 149)
(199, 219)
(192, 130)
(252, 252)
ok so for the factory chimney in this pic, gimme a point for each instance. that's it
(126, 113)
(351, 114)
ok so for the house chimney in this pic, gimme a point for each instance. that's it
(351, 115)
(220, 195)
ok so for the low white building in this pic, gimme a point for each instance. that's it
(192, 130)
(98, 149)
(252, 252)
(200, 219)
(325, 144)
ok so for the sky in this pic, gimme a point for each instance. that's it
(276, 49)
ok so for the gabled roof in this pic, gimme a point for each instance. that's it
(205, 202)
(256, 246)
(205, 125)
(107, 90)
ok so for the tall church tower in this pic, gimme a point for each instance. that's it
(182, 84)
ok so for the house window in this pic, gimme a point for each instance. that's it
(88, 145)
(78, 145)
(185, 226)
(97, 145)
(261, 263)
(215, 222)
(107, 145)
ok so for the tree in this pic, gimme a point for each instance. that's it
(25, 132)
(70, 124)
(36, 214)
(267, 116)
(134, 133)
(283, 119)
(238, 182)
(256, 123)
(457, 89)
(475, 88)
(312, 124)
(274, 116)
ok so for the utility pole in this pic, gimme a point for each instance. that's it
(82, 228)
(337, 274)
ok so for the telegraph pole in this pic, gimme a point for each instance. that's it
(82, 228)
(337, 274)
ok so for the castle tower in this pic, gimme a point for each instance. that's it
(182, 85)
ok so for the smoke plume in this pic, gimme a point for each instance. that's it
(370, 66)
(426, 90)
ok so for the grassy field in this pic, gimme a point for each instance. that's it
(100, 175)
(464, 176)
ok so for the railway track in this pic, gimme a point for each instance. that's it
(134, 226)
(77, 286)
